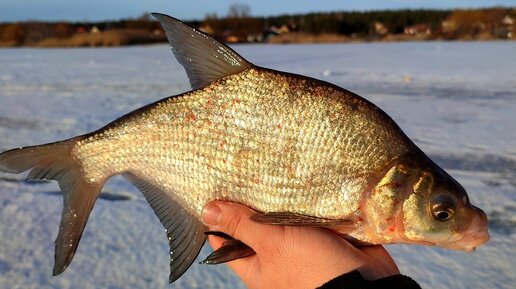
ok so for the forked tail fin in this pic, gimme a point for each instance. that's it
(55, 162)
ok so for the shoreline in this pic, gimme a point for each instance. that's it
(126, 40)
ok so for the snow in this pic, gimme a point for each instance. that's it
(457, 101)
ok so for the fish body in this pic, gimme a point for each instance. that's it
(272, 141)
(298, 150)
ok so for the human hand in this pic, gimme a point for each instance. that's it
(291, 257)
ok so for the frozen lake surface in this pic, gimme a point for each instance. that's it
(457, 101)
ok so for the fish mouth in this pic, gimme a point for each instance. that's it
(469, 243)
(474, 235)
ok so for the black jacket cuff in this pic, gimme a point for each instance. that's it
(354, 280)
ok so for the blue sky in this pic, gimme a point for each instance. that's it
(79, 10)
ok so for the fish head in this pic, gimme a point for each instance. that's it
(437, 211)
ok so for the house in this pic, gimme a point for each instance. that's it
(507, 30)
(380, 28)
(418, 29)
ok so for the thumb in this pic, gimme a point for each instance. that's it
(234, 220)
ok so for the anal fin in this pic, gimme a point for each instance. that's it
(184, 231)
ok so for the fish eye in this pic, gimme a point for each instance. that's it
(443, 206)
(443, 214)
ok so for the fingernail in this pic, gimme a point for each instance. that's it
(211, 215)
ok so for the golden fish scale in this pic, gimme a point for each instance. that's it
(273, 141)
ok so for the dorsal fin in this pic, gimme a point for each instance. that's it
(204, 58)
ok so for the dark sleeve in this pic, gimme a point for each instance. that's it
(354, 280)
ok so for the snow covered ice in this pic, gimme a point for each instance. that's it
(457, 101)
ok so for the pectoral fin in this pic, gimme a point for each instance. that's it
(219, 234)
(230, 250)
(293, 219)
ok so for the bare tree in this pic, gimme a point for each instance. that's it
(238, 10)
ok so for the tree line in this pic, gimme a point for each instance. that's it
(239, 26)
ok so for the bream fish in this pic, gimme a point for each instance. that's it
(299, 151)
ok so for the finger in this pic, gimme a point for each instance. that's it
(215, 242)
(247, 268)
(233, 219)
(375, 251)
(388, 265)
(378, 252)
